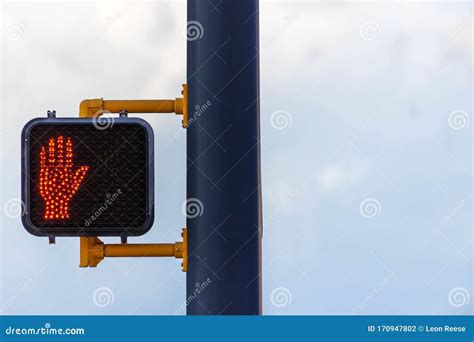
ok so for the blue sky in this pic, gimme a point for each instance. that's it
(366, 117)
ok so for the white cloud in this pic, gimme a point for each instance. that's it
(331, 177)
(338, 176)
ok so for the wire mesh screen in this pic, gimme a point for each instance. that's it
(86, 179)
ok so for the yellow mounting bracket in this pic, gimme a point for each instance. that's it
(93, 250)
(91, 108)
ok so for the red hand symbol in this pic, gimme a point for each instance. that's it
(58, 182)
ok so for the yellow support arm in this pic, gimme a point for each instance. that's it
(90, 108)
(93, 250)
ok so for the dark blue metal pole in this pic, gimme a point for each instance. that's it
(223, 158)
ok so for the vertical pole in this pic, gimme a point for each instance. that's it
(223, 159)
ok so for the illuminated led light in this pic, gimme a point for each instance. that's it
(58, 182)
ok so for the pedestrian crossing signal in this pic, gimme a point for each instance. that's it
(87, 177)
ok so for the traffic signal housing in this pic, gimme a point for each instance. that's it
(87, 176)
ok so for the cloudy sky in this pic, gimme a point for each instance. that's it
(366, 153)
